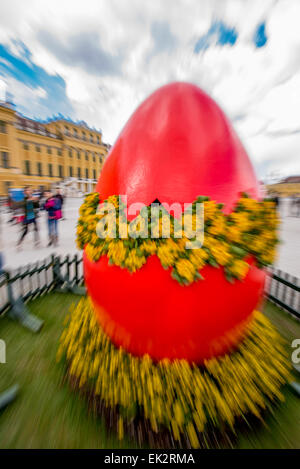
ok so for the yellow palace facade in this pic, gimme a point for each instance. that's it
(44, 155)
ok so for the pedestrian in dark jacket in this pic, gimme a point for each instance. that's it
(29, 206)
(52, 206)
(60, 198)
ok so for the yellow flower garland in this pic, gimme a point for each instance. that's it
(186, 400)
(228, 239)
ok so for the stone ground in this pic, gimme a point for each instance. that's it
(288, 259)
(288, 252)
(29, 253)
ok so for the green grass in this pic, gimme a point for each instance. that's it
(48, 414)
(282, 428)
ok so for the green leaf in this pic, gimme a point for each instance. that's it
(240, 252)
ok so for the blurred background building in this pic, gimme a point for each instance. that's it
(45, 155)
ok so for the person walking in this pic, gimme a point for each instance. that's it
(52, 206)
(60, 199)
(297, 204)
(29, 206)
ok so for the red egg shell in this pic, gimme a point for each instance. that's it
(177, 145)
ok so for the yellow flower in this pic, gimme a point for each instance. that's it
(224, 236)
(117, 252)
(185, 398)
(185, 269)
(241, 220)
(149, 247)
(210, 209)
(233, 234)
(218, 227)
(239, 268)
(198, 257)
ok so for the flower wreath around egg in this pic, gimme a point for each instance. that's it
(186, 401)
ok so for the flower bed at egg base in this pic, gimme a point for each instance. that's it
(174, 404)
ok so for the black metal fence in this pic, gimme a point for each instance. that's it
(284, 290)
(37, 279)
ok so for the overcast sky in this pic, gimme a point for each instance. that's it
(96, 60)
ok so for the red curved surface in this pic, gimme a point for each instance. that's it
(177, 145)
(149, 312)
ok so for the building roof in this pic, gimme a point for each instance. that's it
(30, 125)
(41, 127)
(291, 179)
(68, 121)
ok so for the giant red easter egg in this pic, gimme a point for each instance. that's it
(176, 146)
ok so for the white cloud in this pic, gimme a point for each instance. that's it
(257, 88)
(24, 94)
(40, 92)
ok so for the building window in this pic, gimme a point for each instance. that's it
(70, 171)
(50, 170)
(7, 186)
(79, 173)
(75, 133)
(3, 129)
(94, 158)
(67, 130)
(86, 173)
(101, 160)
(5, 160)
(39, 169)
(25, 146)
(60, 171)
(78, 154)
(87, 155)
(70, 153)
(83, 136)
(94, 174)
(59, 152)
(49, 150)
(38, 148)
(27, 167)
(98, 140)
(91, 138)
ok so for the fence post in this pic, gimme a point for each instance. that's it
(9, 289)
(63, 282)
(18, 310)
(76, 269)
(8, 396)
(284, 291)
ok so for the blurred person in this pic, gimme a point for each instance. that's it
(1, 256)
(29, 206)
(52, 206)
(295, 205)
(60, 200)
(276, 200)
(1, 263)
(11, 208)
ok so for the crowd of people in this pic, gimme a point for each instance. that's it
(27, 211)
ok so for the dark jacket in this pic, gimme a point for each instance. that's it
(51, 206)
(60, 197)
(28, 206)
